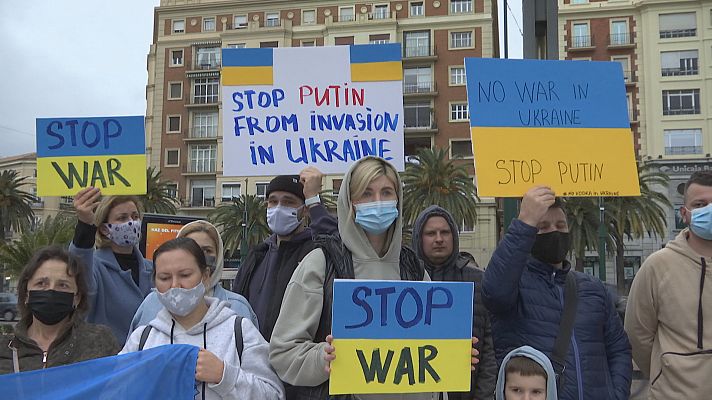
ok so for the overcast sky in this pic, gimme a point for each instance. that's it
(81, 58)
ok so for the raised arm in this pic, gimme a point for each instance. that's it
(321, 222)
(82, 246)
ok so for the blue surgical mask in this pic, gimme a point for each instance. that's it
(701, 221)
(376, 217)
(283, 220)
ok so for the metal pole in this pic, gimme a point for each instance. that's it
(510, 205)
(602, 233)
(506, 34)
(243, 242)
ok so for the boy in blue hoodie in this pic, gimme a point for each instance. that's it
(526, 374)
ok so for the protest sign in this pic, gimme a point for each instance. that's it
(562, 124)
(401, 337)
(103, 152)
(288, 108)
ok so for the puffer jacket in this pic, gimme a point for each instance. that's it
(525, 300)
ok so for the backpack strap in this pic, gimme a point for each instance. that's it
(144, 337)
(566, 328)
(239, 340)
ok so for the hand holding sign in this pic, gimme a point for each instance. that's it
(535, 204)
(474, 352)
(311, 178)
(329, 350)
(85, 203)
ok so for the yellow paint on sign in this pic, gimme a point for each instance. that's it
(364, 366)
(65, 176)
(573, 162)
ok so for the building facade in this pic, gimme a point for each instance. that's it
(183, 117)
(662, 47)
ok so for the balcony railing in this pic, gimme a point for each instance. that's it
(201, 167)
(421, 125)
(270, 23)
(677, 33)
(203, 133)
(420, 87)
(678, 150)
(379, 15)
(629, 76)
(679, 71)
(199, 202)
(205, 99)
(207, 65)
(419, 51)
(347, 18)
(620, 39)
(232, 26)
(581, 42)
(681, 111)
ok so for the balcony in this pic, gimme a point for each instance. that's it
(419, 53)
(379, 15)
(272, 23)
(583, 42)
(678, 33)
(197, 134)
(200, 168)
(692, 70)
(424, 125)
(207, 66)
(682, 150)
(420, 88)
(198, 202)
(629, 77)
(681, 111)
(620, 40)
(211, 100)
(347, 18)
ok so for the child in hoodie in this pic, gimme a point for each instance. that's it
(181, 275)
(526, 374)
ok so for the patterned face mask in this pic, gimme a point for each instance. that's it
(179, 301)
(126, 234)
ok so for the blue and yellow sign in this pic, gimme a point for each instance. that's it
(401, 337)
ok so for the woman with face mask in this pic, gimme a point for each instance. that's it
(370, 228)
(206, 235)
(52, 299)
(181, 276)
(118, 276)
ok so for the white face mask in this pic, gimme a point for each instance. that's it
(125, 234)
(181, 302)
(283, 220)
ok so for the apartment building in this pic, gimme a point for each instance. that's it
(662, 47)
(183, 117)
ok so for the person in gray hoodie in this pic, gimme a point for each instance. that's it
(188, 317)
(520, 379)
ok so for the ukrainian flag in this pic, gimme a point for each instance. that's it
(247, 67)
(376, 62)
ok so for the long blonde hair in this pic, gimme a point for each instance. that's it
(368, 170)
(101, 215)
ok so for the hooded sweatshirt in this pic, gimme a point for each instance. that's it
(293, 354)
(150, 306)
(248, 378)
(669, 321)
(540, 358)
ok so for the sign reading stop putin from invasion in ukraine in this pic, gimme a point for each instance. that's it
(401, 337)
(562, 124)
(103, 152)
(288, 108)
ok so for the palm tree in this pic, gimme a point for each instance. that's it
(230, 220)
(430, 178)
(15, 210)
(158, 198)
(584, 221)
(54, 230)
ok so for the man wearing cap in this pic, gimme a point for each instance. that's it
(268, 267)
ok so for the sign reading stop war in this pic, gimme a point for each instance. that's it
(562, 124)
(103, 152)
(401, 337)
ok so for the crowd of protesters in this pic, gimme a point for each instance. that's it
(540, 329)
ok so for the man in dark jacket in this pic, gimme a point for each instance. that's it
(269, 266)
(523, 289)
(436, 242)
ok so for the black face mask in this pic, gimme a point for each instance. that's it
(50, 306)
(551, 247)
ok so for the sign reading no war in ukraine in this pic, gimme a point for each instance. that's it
(103, 152)
(562, 124)
(401, 337)
(288, 108)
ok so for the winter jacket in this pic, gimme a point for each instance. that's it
(669, 321)
(294, 353)
(525, 300)
(80, 342)
(269, 266)
(248, 378)
(460, 268)
(533, 354)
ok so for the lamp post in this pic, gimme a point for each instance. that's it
(602, 233)
(243, 242)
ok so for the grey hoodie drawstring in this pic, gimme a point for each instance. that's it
(700, 319)
(173, 325)
(205, 346)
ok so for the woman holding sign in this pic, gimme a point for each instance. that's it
(370, 229)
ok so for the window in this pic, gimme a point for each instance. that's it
(264, 45)
(209, 24)
(379, 41)
(240, 21)
(683, 141)
(179, 26)
(261, 190)
(579, 1)
(679, 102)
(417, 44)
(411, 145)
(459, 112)
(236, 45)
(172, 190)
(175, 90)
(272, 19)
(207, 57)
(202, 193)
(346, 14)
(382, 38)
(417, 80)
(625, 65)
(417, 9)
(619, 33)
(459, 40)
(460, 6)
(308, 17)
(457, 76)
(230, 191)
(581, 36)
(676, 63)
(678, 25)
(380, 11)
(308, 43)
(460, 148)
(205, 90)
(202, 158)
(173, 124)
(172, 157)
(417, 115)
(344, 41)
(176, 58)
(205, 125)
(629, 102)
